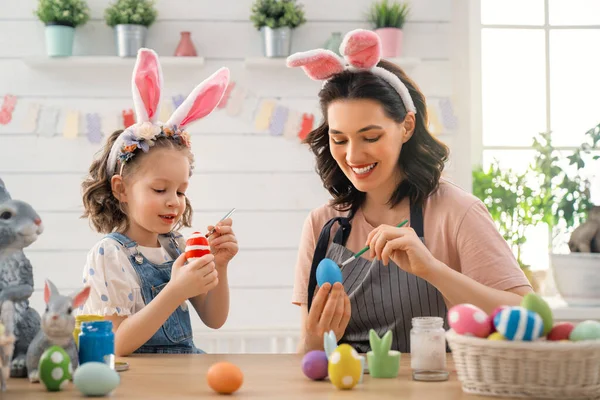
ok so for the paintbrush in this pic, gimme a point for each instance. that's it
(364, 250)
(224, 218)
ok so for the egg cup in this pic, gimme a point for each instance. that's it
(382, 361)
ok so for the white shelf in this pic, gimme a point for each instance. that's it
(107, 61)
(265, 62)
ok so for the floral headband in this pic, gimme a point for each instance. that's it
(147, 85)
(361, 50)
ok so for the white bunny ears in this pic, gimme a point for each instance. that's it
(147, 85)
(362, 51)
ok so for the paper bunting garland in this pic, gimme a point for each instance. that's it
(71, 128)
(94, 127)
(269, 116)
(278, 119)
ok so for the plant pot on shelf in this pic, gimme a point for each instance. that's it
(185, 48)
(391, 41)
(276, 42)
(59, 40)
(129, 39)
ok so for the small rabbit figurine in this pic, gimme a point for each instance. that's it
(382, 361)
(20, 226)
(57, 327)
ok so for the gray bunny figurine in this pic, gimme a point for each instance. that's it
(58, 324)
(20, 226)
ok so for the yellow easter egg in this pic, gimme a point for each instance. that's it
(496, 336)
(344, 367)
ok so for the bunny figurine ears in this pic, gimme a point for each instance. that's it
(362, 52)
(147, 86)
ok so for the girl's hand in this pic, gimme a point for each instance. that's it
(197, 277)
(223, 243)
(403, 246)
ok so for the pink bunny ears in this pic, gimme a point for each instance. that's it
(147, 84)
(362, 51)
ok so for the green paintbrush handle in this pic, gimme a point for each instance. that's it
(360, 253)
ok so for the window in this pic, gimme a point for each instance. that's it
(539, 72)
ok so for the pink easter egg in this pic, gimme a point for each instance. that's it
(196, 246)
(467, 319)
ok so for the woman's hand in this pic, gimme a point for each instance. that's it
(404, 247)
(329, 311)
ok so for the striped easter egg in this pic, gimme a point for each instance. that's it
(518, 323)
(196, 246)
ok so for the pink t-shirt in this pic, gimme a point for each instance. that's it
(459, 231)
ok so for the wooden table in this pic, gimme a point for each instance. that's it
(276, 376)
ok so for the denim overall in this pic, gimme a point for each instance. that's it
(381, 298)
(175, 335)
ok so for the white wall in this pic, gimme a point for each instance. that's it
(269, 179)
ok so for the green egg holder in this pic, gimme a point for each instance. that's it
(381, 360)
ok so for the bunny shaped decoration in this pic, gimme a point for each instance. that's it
(57, 327)
(383, 362)
(147, 88)
(20, 226)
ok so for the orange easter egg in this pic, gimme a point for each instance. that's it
(224, 377)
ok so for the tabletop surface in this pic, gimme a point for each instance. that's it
(274, 376)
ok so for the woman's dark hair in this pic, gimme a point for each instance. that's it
(422, 158)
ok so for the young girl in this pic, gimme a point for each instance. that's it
(381, 165)
(135, 193)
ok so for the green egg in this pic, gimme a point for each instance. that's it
(586, 330)
(535, 303)
(55, 368)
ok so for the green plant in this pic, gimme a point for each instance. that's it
(135, 12)
(277, 14)
(545, 193)
(510, 202)
(63, 12)
(385, 15)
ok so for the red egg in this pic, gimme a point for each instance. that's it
(493, 315)
(467, 319)
(560, 331)
(196, 246)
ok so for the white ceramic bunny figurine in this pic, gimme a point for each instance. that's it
(58, 323)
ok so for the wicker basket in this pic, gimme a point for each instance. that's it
(541, 369)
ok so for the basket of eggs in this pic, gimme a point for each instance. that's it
(520, 352)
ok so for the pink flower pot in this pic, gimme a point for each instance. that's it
(391, 41)
(185, 48)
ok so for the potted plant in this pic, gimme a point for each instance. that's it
(130, 20)
(510, 203)
(61, 17)
(548, 193)
(276, 20)
(388, 19)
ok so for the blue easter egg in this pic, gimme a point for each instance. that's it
(328, 271)
(518, 323)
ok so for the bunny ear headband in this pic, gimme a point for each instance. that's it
(147, 85)
(362, 51)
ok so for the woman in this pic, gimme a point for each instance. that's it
(381, 165)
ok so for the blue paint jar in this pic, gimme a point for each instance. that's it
(96, 342)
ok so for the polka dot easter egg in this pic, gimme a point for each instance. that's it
(55, 368)
(467, 319)
(196, 246)
(518, 323)
(345, 367)
(328, 271)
